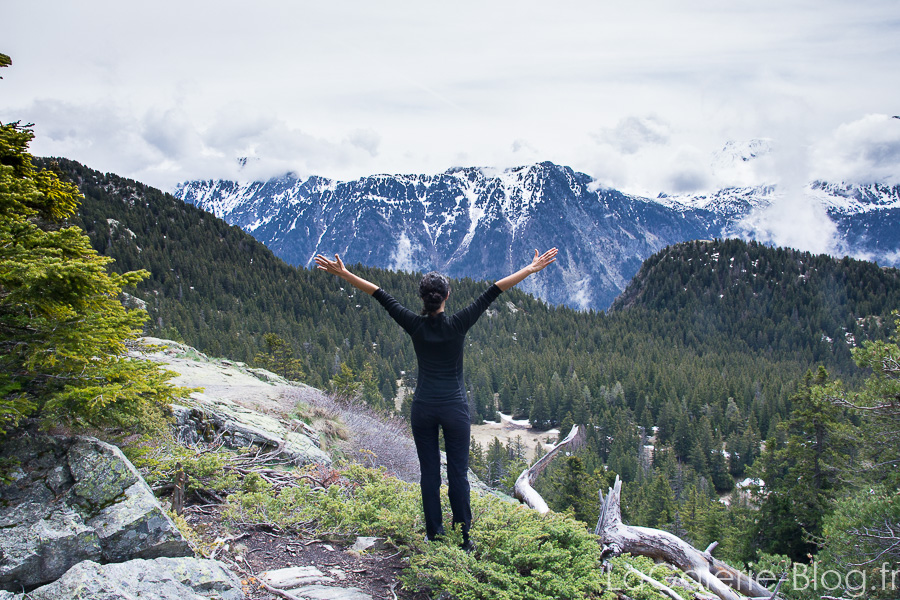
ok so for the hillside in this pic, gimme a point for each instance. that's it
(669, 368)
(219, 290)
(773, 301)
(702, 326)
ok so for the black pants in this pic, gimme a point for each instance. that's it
(454, 419)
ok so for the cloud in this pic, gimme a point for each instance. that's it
(688, 170)
(793, 220)
(366, 139)
(87, 132)
(863, 151)
(522, 146)
(632, 133)
(402, 258)
(167, 145)
(652, 167)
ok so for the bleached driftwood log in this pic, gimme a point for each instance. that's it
(617, 538)
(721, 579)
(523, 490)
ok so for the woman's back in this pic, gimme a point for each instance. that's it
(439, 342)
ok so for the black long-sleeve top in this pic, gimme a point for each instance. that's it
(438, 341)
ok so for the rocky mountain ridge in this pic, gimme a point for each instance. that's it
(485, 223)
(464, 222)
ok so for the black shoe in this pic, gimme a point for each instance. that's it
(437, 537)
(468, 546)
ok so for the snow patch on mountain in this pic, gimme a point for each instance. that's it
(485, 223)
(855, 199)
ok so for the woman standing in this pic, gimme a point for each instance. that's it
(440, 396)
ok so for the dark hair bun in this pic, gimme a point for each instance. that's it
(433, 289)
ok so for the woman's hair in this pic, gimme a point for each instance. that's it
(433, 289)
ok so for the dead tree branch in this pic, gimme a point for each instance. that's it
(523, 490)
(720, 578)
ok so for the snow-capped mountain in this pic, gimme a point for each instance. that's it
(486, 223)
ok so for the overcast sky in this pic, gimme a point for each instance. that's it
(639, 95)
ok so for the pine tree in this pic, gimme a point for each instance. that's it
(540, 412)
(345, 384)
(495, 464)
(657, 508)
(279, 358)
(64, 334)
(476, 459)
(575, 489)
(801, 473)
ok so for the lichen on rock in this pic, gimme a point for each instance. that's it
(160, 579)
(75, 499)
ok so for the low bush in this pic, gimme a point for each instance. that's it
(520, 555)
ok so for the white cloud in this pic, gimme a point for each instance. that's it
(165, 146)
(793, 220)
(652, 167)
(352, 88)
(366, 139)
(633, 133)
(688, 170)
(863, 151)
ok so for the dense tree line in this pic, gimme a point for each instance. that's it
(710, 336)
(702, 358)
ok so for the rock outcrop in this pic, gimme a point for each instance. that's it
(237, 405)
(159, 579)
(75, 499)
(238, 427)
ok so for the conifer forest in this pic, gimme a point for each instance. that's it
(744, 394)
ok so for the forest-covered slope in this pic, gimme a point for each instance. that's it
(701, 323)
(707, 350)
(775, 301)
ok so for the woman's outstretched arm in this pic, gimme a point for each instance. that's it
(538, 263)
(336, 267)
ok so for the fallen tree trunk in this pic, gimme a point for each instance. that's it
(523, 490)
(720, 578)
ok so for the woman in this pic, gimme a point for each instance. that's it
(440, 396)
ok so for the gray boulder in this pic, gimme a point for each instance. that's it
(240, 427)
(44, 544)
(237, 405)
(159, 579)
(137, 527)
(71, 500)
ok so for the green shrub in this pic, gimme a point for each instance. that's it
(359, 501)
(520, 555)
(157, 460)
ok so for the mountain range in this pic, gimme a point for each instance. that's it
(485, 223)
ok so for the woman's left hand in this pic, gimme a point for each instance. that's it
(335, 267)
(542, 260)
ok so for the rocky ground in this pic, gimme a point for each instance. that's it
(259, 556)
(256, 398)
